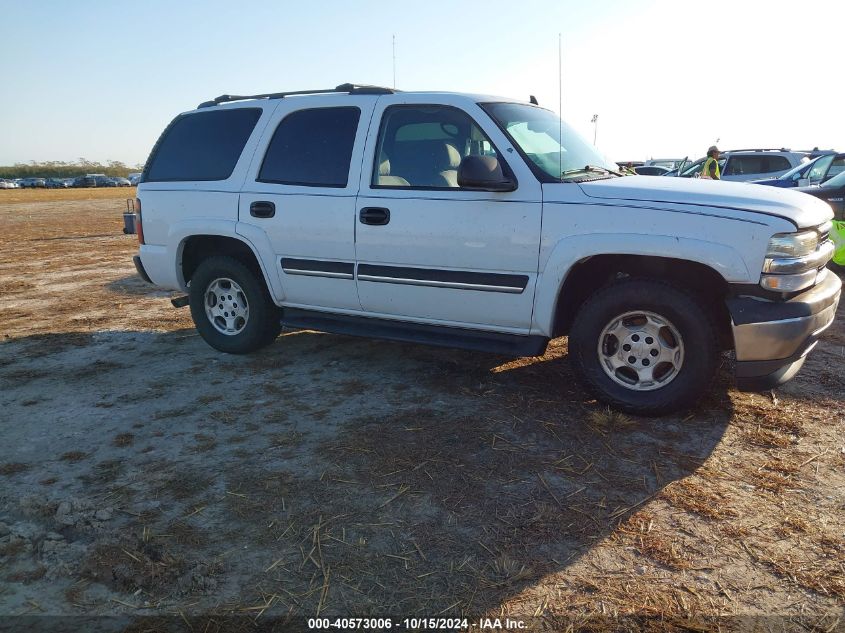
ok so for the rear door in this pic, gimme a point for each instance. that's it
(428, 250)
(299, 197)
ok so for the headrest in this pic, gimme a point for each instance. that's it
(383, 165)
(447, 157)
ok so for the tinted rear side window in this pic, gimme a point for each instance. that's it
(202, 146)
(758, 164)
(312, 148)
(777, 163)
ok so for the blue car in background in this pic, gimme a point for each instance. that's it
(815, 172)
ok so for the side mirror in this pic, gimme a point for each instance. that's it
(483, 173)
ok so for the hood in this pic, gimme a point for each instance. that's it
(800, 209)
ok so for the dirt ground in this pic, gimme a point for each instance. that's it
(143, 473)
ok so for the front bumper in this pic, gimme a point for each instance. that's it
(773, 338)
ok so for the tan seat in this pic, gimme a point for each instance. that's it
(384, 177)
(427, 163)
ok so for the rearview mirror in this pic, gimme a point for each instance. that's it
(483, 173)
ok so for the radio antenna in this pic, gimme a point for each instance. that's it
(560, 106)
(394, 61)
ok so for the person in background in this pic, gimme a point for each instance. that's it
(711, 165)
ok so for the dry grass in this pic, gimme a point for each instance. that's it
(692, 496)
(472, 484)
(12, 196)
(127, 569)
(823, 574)
(27, 576)
(74, 456)
(609, 420)
(122, 440)
(642, 531)
(204, 443)
(11, 549)
(13, 468)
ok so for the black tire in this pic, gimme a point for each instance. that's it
(263, 324)
(683, 311)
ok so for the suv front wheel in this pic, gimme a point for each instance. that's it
(231, 308)
(644, 346)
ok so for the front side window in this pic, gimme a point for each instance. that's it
(554, 148)
(422, 146)
(202, 146)
(312, 148)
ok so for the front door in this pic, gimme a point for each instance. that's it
(300, 195)
(430, 251)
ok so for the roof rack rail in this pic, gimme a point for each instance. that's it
(353, 89)
(761, 149)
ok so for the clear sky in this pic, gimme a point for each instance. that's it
(101, 79)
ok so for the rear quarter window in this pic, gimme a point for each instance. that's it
(201, 146)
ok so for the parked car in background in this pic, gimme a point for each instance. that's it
(105, 181)
(651, 170)
(668, 163)
(121, 182)
(832, 191)
(85, 181)
(745, 165)
(748, 164)
(4, 184)
(134, 178)
(815, 172)
(56, 183)
(32, 183)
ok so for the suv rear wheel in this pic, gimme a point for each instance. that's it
(644, 346)
(231, 308)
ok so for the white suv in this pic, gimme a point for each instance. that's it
(483, 223)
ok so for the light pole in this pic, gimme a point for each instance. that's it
(595, 122)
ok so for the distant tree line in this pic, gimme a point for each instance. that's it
(62, 169)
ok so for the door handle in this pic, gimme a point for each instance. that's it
(262, 209)
(375, 216)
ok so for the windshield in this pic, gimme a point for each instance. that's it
(549, 143)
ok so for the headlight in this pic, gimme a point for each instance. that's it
(793, 259)
(792, 244)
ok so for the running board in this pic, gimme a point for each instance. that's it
(441, 336)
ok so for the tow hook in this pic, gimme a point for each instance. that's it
(180, 302)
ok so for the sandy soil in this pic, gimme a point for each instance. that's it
(143, 473)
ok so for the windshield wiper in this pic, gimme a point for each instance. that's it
(586, 169)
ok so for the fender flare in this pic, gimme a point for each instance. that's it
(570, 250)
(257, 241)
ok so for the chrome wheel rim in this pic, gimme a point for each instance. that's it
(641, 350)
(226, 306)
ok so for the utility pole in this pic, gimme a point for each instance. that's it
(595, 122)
